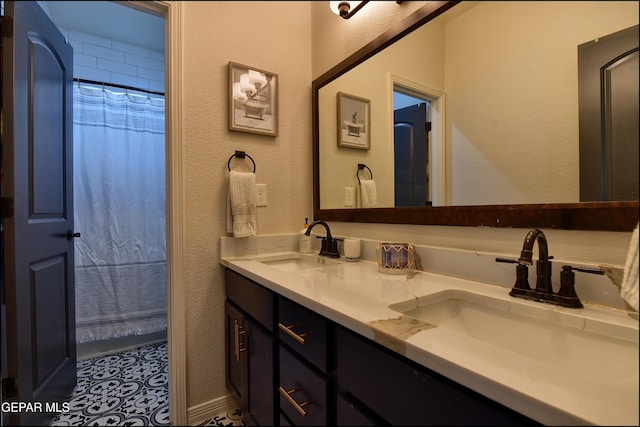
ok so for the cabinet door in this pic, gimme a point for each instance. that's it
(249, 370)
(260, 376)
(235, 357)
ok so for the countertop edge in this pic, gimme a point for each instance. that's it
(522, 403)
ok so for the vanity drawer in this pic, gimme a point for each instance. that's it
(304, 331)
(404, 393)
(251, 297)
(303, 394)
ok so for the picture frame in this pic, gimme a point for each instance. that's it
(253, 100)
(353, 121)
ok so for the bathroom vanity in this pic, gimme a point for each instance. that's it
(327, 375)
(317, 341)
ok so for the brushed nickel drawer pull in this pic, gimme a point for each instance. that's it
(237, 333)
(298, 337)
(291, 400)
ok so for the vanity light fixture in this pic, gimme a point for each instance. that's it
(346, 9)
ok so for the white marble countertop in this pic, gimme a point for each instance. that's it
(357, 296)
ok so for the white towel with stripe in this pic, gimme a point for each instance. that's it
(241, 204)
(368, 194)
(629, 288)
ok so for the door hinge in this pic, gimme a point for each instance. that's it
(6, 207)
(9, 388)
(7, 27)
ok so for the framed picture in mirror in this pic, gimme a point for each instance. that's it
(253, 100)
(353, 121)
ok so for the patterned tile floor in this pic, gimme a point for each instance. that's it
(128, 388)
(226, 419)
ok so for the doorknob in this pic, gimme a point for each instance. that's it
(71, 235)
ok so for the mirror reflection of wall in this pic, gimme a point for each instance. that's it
(509, 74)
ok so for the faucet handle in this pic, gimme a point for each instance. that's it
(522, 276)
(329, 247)
(587, 270)
(509, 260)
(567, 290)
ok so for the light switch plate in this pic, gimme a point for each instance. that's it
(261, 194)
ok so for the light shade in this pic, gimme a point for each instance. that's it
(346, 9)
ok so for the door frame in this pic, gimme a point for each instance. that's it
(595, 136)
(176, 323)
(437, 139)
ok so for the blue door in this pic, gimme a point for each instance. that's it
(38, 264)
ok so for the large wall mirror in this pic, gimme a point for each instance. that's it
(500, 82)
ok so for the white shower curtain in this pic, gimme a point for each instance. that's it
(119, 209)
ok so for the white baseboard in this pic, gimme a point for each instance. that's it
(204, 411)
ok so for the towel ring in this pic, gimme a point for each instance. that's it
(362, 166)
(241, 155)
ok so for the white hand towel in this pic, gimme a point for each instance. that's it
(368, 196)
(629, 288)
(241, 204)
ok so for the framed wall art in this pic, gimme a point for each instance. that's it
(253, 100)
(353, 121)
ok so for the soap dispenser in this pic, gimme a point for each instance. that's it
(304, 241)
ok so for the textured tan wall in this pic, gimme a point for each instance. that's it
(299, 41)
(273, 36)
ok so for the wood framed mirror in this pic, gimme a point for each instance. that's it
(593, 215)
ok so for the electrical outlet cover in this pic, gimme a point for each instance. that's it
(349, 197)
(261, 194)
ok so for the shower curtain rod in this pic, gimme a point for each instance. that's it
(95, 82)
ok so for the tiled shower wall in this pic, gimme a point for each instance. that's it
(111, 61)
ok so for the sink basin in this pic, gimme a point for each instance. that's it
(557, 337)
(297, 262)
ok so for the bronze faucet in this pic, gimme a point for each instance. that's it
(543, 265)
(329, 244)
(543, 292)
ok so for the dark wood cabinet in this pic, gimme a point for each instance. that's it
(235, 359)
(260, 374)
(250, 348)
(304, 367)
(304, 331)
(402, 392)
(348, 413)
(303, 392)
(288, 365)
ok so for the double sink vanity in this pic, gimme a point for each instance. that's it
(326, 341)
(462, 339)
